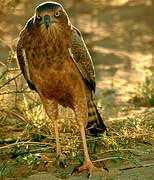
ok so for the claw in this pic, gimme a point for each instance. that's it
(60, 161)
(62, 164)
(74, 170)
(106, 169)
(89, 175)
(89, 167)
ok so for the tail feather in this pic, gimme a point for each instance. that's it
(95, 123)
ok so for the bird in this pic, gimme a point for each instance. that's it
(56, 63)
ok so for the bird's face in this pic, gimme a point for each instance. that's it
(50, 15)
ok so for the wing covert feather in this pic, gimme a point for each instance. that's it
(82, 59)
(22, 63)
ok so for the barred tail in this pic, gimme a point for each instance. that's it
(95, 123)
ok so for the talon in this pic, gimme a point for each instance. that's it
(60, 160)
(46, 163)
(62, 164)
(89, 175)
(106, 169)
(74, 170)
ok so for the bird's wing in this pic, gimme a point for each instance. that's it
(21, 56)
(81, 57)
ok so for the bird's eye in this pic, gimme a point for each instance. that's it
(57, 14)
(39, 17)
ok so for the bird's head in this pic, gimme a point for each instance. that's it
(49, 15)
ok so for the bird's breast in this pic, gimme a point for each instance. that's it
(57, 85)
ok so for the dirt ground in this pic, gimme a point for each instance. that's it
(120, 37)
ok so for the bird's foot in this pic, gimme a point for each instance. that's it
(89, 167)
(59, 161)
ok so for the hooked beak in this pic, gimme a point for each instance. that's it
(48, 21)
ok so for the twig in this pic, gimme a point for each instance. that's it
(3, 73)
(13, 69)
(25, 143)
(31, 98)
(110, 151)
(10, 80)
(13, 113)
(105, 159)
(16, 86)
(11, 141)
(15, 154)
(12, 92)
(2, 63)
(144, 165)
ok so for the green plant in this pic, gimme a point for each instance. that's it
(6, 171)
(145, 91)
(29, 160)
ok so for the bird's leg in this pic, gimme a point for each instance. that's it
(58, 149)
(87, 164)
(59, 156)
(51, 108)
(82, 113)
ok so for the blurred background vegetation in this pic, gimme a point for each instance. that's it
(120, 37)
